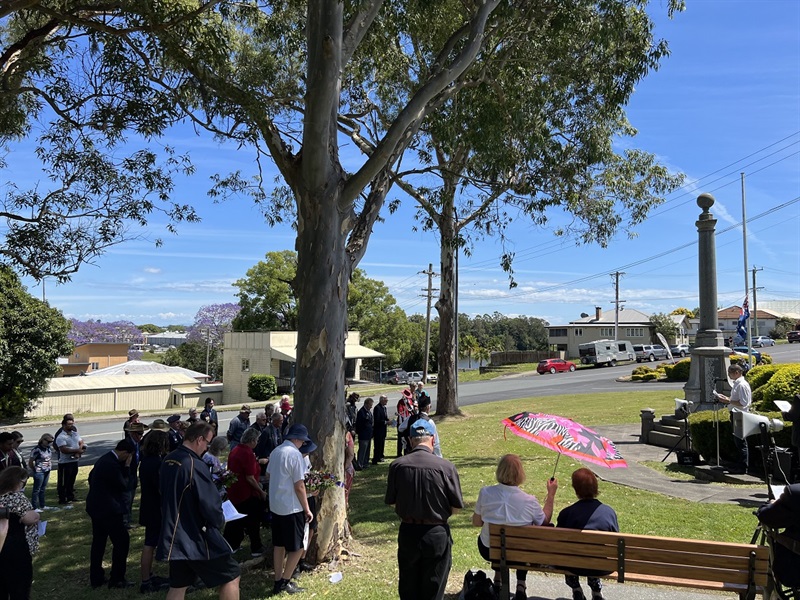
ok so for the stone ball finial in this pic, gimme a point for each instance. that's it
(705, 201)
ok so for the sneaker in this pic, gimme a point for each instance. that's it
(38, 510)
(49, 508)
(577, 594)
(68, 507)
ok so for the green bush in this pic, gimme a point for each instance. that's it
(784, 384)
(679, 371)
(704, 436)
(641, 370)
(649, 376)
(758, 376)
(261, 387)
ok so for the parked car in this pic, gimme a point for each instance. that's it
(414, 376)
(395, 376)
(793, 336)
(680, 350)
(432, 378)
(649, 352)
(762, 340)
(554, 365)
(743, 351)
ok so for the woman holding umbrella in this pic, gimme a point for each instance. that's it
(506, 504)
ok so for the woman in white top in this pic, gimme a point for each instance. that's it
(506, 504)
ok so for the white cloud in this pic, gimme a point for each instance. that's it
(153, 270)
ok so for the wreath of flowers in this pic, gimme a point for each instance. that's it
(318, 481)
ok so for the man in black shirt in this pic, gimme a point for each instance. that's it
(425, 490)
(380, 416)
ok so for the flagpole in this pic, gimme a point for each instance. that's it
(746, 281)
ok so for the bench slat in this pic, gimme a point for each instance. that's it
(631, 540)
(535, 548)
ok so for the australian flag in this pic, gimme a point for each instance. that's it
(741, 326)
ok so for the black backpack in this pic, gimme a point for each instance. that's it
(478, 586)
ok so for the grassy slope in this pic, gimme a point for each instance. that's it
(473, 443)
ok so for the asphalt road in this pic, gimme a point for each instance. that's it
(102, 434)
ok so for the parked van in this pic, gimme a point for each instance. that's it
(605, 352)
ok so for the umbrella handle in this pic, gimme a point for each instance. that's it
(558, 456)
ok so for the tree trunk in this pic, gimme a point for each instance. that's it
(323, 273)
(446, 397)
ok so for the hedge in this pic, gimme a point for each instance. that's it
(679, 371)
(783, 385)
(704, 437)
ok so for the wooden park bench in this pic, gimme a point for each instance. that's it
(721, 566)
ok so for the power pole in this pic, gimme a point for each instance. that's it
(617, 302)
(429, 295)
(755, 304)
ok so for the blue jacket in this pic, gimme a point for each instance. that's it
(108, 487)
(191, 510)
(364, 424)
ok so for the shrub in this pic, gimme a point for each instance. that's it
(784, 384)
(649, 376)
(261, 387)
(641, 370)
(679, 371)
(704, 436)
(758, 376)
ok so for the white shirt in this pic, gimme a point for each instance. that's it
(71, 440)
(741, 396)
(286, 467)
(506, 505)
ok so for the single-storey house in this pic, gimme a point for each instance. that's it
(275, 353)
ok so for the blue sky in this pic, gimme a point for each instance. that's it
(726, 101)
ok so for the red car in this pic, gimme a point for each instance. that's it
(554, 365)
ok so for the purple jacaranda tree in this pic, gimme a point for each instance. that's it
(120, 332)
(212, 322)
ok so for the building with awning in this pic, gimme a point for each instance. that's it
(275, 353)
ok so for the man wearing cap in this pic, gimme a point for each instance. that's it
(380, 417)
(175, 432)
(238, 426)
(209, 415)
(106, 505)
(288, 504)
(192, 521)
(424, 407)
(424, 490)
(134, 433)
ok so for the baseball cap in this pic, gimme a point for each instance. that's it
(297, 432)
(173, 418)
(245, 408)
(421, 428)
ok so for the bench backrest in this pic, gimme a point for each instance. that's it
(628, 554)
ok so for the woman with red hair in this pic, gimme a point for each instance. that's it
(587, 513)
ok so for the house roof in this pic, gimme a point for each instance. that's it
(733, 312)
(627, 316)
(289, 353)
(71, 384)
(143, 367)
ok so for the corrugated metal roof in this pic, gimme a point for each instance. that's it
(143, 367)
(69, 384)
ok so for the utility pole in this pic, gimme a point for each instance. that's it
(755, 304)
(617, 302)
(429, 294)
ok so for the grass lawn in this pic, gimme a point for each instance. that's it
(474, 443)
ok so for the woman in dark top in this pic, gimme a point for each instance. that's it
(154, 448)
(22, 539)
(587, 513)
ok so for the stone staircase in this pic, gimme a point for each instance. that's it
(666, 432)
